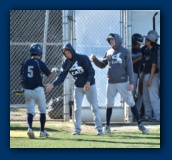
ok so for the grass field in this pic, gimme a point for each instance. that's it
(60, 137)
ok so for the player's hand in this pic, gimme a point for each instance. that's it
(149, 82)
(93, 57)
(49, 87)
(130, 87)
(87, 87)
(54, 70)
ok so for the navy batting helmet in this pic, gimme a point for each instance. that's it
(137, 38)
(36, 49)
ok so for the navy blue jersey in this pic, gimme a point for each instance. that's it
(138, 66)
(150, 57)
(79, 67)
(31, 73)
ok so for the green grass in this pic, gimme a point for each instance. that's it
(60, 137)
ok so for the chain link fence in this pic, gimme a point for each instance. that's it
(87, 31)
(92, 28)
(27, 27)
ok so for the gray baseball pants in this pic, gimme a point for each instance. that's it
(122, 88)
(91, 96)
(33, 97)
(151, 97)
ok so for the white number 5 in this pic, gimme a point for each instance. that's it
(30, 71)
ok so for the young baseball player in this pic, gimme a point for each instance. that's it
(151, 78)
(31, 80)
(137, 60)
(79, 66)
(120, 78)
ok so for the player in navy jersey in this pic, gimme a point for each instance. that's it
(151, 79)
(137, 40)
(31, 80)
(80, 67)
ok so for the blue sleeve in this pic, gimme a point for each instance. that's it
(44, 69)
(101, 64)
(60, 79)
(154, 56)
(88, 68)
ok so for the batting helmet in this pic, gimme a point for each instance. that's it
(153, 32)
(36, 49)
(137, 38)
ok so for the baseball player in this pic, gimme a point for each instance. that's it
(79, 66)
(137, 40)
(151, 78)
(157, 46)
(31, 80)
(120, 68)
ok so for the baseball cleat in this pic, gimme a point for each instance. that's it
(75, 133)
(106, 130)
(44, 134)
(143, 129)
(31, 134)
(99, 133)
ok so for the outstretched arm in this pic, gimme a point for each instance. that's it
(59, 80)
(98, 63)
(52, 74)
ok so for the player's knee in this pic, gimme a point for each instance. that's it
(77, 109)
(32, 113)
(130, 101)
(109, 106)
(131, 104)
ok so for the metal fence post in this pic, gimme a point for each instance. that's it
(71, 21)
(45, 35)
(66, 87)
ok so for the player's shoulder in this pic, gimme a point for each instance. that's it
(123, 50)
(155, 49)
(65, 62)
(26, 62)
(82, 57)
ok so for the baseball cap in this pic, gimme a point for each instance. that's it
(151, 37)
(153, 32)
(111, 35)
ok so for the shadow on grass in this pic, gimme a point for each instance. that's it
(138, 137)
(94, 140)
